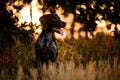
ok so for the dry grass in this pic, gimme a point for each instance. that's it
(96, 59)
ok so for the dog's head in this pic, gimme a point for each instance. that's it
(52, 22)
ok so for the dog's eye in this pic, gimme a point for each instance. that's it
(54, 19)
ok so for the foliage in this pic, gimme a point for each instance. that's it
(9, 30)
(78, 59)
(86, 11)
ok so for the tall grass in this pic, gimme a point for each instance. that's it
(95, 59)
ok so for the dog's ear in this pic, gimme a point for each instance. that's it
(56, 16)
(44, 21)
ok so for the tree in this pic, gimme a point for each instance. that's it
(70, 6)
(87, 16)
(9, 30)
(110, 10)
(48, 5)
(84, 12)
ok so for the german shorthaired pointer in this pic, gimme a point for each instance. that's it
(45, 47)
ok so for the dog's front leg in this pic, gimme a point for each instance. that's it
(39, 70)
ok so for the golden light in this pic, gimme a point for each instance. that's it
(33, 11)
(77, 26)
(101, 23)
(37, 12)
(83, 6)
(118, 27)
(76, 35)
(25, 15)
(69, 20)
(82, 33)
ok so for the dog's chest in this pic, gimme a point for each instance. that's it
(47, 43)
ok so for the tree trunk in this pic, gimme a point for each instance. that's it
(30, 13)
(72, 30)
(86, 34)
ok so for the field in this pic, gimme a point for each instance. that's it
(83, 59)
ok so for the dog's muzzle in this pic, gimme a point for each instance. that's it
(58, 29)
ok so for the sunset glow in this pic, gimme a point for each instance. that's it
(25, 16)
(25, 13)
(101, 23)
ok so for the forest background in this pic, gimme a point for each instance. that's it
(90, 45)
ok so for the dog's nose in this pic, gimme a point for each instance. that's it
(64, 24)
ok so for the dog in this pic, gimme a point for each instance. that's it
(45, 46)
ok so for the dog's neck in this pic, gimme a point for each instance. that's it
(47, 34)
